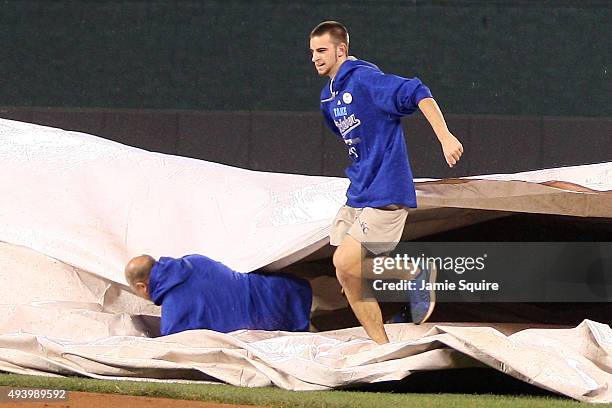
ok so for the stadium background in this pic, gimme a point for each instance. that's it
(523, 84)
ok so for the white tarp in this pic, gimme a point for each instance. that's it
(95, 203)
(63, 321)
(75, 208)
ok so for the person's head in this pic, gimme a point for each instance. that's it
(137, 273)
(329, 42)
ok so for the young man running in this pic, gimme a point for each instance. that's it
(364, 106)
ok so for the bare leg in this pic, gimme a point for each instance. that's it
(347, 261)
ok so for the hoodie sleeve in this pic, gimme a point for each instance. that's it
(393, 94)
(175, 314)
(329, 122)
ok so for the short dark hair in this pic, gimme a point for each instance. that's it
(337, 31)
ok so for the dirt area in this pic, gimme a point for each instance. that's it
(94, 400)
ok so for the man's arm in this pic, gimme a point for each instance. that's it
(400, 96)
(330, 122)
(451, 147)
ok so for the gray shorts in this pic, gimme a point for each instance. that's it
(377, 229)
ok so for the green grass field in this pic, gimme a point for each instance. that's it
(275, 397)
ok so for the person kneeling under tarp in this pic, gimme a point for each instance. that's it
(196, 292)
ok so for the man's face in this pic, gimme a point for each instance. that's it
(325, 55)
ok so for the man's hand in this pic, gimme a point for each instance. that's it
(452, 148)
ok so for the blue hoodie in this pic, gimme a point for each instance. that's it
(364, 106)
(196, 292)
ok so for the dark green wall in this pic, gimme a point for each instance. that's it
(526, 58)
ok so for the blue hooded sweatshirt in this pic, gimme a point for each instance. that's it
(196, 292)
(364, 106)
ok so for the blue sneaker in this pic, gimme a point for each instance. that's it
(422, 302)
